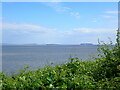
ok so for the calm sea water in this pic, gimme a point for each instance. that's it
(14, 57)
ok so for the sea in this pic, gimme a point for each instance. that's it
(15, 57)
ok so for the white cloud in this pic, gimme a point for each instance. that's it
(28, 33)
(30, 28)
(25, 28)
(58, 7)
(112, 12)
(106, 16)
(95, 30)
(75, 14)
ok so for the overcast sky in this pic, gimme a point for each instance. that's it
(59, 22)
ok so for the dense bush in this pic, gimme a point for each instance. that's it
(103, 72)
(109, 60)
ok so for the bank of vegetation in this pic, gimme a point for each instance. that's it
(102, 72)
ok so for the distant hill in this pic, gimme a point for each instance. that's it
(86, 44)
(52, 44)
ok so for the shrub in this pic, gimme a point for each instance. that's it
(109, 60)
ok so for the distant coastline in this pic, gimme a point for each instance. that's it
(82, 44)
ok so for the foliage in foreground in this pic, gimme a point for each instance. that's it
(103, 72)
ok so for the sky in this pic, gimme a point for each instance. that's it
(59, 22)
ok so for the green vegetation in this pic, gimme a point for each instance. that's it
(103, 72)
